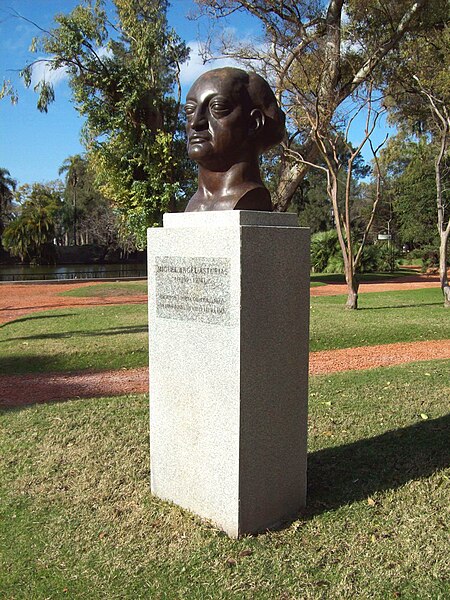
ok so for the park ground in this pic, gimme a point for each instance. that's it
(78, 520)
(18, 300)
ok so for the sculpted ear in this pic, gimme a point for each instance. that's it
(257, 118)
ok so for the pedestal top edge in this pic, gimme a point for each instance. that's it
(229, 218)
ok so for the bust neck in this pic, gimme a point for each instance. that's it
(238, 186)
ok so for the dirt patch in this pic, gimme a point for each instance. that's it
(47, 387)
(409, 282)
(35, 388)
(17, 300)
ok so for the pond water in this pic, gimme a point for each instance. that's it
(93, 271)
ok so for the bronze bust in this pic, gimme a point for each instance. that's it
(231, 118)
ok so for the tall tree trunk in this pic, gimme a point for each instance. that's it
(443, 228)
(352, 288)
(443, 276)
(291, 175)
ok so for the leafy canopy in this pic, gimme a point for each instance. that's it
(124, 79)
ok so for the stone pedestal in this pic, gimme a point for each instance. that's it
(228, 318)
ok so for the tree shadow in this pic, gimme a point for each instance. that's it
(88, 333)
(401, 306)
(344, 474)
(34, 317)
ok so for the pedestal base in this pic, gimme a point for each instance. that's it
(228, 319)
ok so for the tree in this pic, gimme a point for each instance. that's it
(7, 188)
(30, 236)
(420, 100)
(75, 169)
(124, 80)
(408, 169)
(82, 199)
(319, 54)
(340, 183)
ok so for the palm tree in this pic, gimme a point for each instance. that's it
(7, 187)
(74, 167)
(30, 235)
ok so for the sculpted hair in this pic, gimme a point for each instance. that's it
(254, 92)
(262, 97)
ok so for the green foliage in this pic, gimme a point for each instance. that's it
(7, 187)
(421, 64)
(428, 257)
(124, 77)
(378, 257)
(326, 255)
(141, 202)
(412, 189)
(30, 236)
(87, 216)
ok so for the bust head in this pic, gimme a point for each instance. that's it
(232, 117)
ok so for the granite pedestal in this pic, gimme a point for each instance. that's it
(228, 319)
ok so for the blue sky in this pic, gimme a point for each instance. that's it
(33, 145)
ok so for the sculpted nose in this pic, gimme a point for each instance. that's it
(199, 121)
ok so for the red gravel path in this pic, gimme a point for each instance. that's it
(38, 388)
(17, 300)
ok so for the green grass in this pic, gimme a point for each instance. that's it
(363, 277)
(102, 290)
(383, 318)
(115, 337)
(132, 288)
(100, 338)
(78, 520)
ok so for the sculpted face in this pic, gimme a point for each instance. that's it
(218, 121)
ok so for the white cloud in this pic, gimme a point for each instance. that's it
(42, 71)
(195, 66)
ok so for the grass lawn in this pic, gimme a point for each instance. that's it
(70, 339)
(118, 288)
(383, 318)
(132, 288)
(362, 277)
(115, 337)
(78, 520)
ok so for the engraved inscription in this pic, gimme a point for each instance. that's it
(193, 289)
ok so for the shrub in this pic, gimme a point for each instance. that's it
(325, 252)
(326, 255)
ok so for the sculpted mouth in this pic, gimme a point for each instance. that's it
(198, 139)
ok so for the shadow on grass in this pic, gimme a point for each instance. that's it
(346, 474)
(92, 333)
(417, 305)
(31, 365)
(385, 277)
(34, 317)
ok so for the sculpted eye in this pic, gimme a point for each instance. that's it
(189, 109)
(220, 108)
